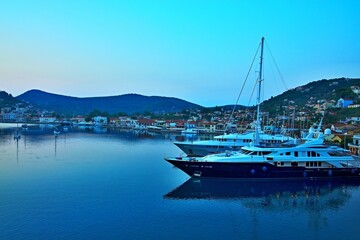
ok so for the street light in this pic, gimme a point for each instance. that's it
(345, 140)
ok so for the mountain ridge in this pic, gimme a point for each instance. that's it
(303, 98)
(7, 100)
(126, 103)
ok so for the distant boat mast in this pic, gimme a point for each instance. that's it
(258, 127)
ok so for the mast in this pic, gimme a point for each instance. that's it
(258, 127)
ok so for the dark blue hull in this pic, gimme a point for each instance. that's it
(258, 171)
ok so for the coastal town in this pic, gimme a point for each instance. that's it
(292, 120)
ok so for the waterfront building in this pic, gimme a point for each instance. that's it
(47, 119)
(355, 145)
(100, 120)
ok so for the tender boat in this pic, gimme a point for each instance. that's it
(56, 133)
(190, 131)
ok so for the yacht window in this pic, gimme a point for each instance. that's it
(265, 153)
(296, 154)
(311, 164)
(307, 164)
(319, 164)
(294, 164)
(288, 153)
(245, 152)
(313, 154)
(337, 154)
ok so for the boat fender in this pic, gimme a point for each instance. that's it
(330, 173)
(305, 174)
(353, 171)
(264, 168)
(253, 171)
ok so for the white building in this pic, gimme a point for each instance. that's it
(6, 117)
(47, 119)
(100, 120)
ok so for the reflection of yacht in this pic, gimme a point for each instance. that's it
(270, 195)
(17, 136)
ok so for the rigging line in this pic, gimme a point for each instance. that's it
(252, 93)
(277, 68)
(247, 76)
(247, 109)
(242, 88)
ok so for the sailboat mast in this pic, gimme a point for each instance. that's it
(257, 130)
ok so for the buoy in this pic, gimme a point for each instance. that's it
(264, 168)
(252, 171)
(353, 171)
(305, 174)
(330, 173)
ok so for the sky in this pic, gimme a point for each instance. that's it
(199, 51)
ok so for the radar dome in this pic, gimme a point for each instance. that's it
(327, 131)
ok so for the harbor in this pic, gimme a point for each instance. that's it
(115, 185)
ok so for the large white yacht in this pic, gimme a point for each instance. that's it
(230, 142)
(312, 159)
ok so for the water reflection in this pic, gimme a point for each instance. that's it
(33, 130)
(311, 201)
(56, 137)
(17, 150)
(270, 195)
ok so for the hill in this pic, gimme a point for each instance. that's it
(7, 100)
(127, 103)
(314, 91)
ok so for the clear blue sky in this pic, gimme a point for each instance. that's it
(199, 51)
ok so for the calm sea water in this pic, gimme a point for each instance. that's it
(98, 184)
